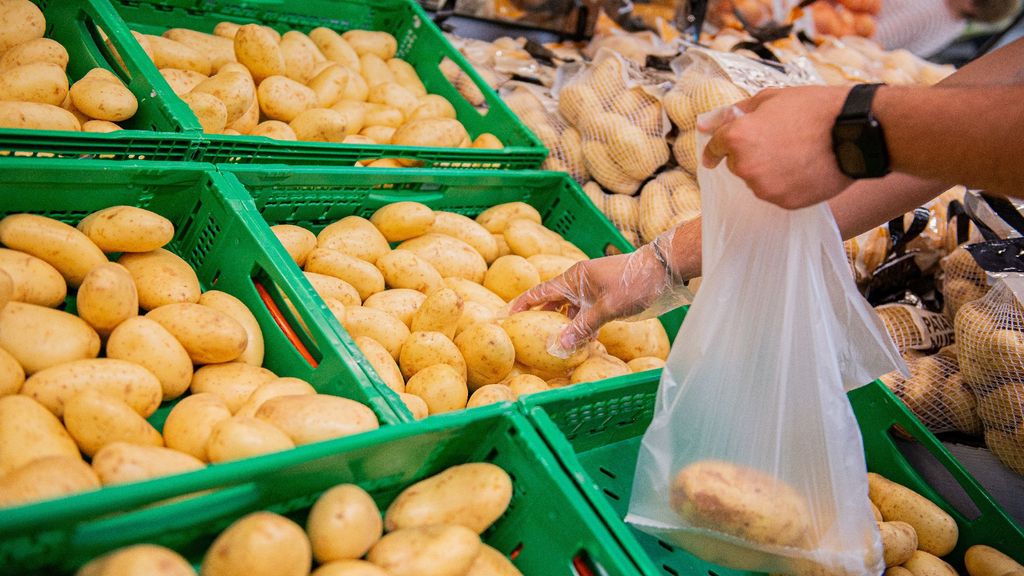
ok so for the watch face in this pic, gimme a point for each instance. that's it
(850, 158)
(849, 131)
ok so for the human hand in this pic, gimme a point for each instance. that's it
(780, 143)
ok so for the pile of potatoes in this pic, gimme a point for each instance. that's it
(61, 400)
(321, 87)
(429, 314)
(35, 92)
(565, 147)
(433, 527)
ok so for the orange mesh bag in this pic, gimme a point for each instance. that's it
(538, 111)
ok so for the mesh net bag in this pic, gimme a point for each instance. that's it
(963, 281)
(670, 199)
(538, 111)
(990, 342)
(620, 119)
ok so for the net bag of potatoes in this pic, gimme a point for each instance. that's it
(668, 200)
(620, 120)
(754, 459)
(539, 112)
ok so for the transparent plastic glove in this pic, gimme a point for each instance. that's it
(633, 286)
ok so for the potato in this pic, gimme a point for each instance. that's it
(355, 117)
(488, 353)
(532, 332)
(382, 115)
(490, 562)
(426, 551)
(922, 563)
(182, 81)
(380, 44)
(329, 287)
(449, 256)
(107, 297)
(233, 382)
(473, 292)
(382, 361)
(487, 141)
(20, 21)
(898, 571)
(395, 96)
(599, 368)
(46, 478)
(432, 106)
(211, 112)
(207, 334)
(982, 560)
(235, 89)
(259, 544)
(937, 532)
(331, 83)
(354, 236)
(282, 98)
(238, 311)
(28, 431)
(423, 349)
(496, 218)
(523, 384)
(12, 375)
(402, 303)
(374, 70)
(416, 405)
(343, 524)
(146, 343)
(645, 363)
(472, 495)
(360, 274)
(406, 76)
(138, 559)
(549, 266)
(317, 417)
(899, 541)
(297, 241)
(95, 419)
(527, 238)
(320, 125)
(191, 421)
(33, 280)
(335, 48)
(377, 135)
(491, 394)
(441, 387)
(220, 50)
(103, 98)
(56, 243)
(121, 463)
(167, 53)
(274, 129)
(35, 116)
(435, 132)
(576, 100)
(510, 276)
(474, 313)
(403, 220)
(244, 437)
(40, 82)
(127, 229)
(29, 334)
(38, 50)
(257, 49)
(631, 340)
(406, 269)
(386, 329)
(162, 278)
(467, 230)
(439, 312)
(285, 386)
(300, 56)
(349, 568)
(54, 386)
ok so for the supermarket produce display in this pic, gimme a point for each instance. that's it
(258, 263)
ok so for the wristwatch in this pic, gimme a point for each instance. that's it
(857, 138)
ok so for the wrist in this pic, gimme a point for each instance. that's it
(858, 139)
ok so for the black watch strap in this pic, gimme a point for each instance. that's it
(858, 102)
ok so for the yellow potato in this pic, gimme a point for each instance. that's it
(937, 532)
(220, 50)
(167, 53)
(35, 116)
(127, 229)
(354, 236)
(899, 541)
(432, 106)
(374, 70)
(107, 297)
(138, 559)
(527, 238)
(300, 56)
(439, 312)
(599, 368)
(487, 141)
(38, 50)
(274, 129)
(104, 99)
(488, 353)
(491, 394)
(20, 21)
(403, 220)
(46, 478)
(349, 568)
(30, 334)
(335, 48)
(435, 132)
(532, 332)
(257, 49)
(320, 125)
(162, 278)
(474, 313)
(12, 375)
(982, 560)
(331, 83)
(343, 524)
(424, 349)
(523, 384)
(631, 340)
(355, 117)
(416, 405)
(58, 244)
(233, 307)
(549, 266)
(577, 100)
(380, 44)
(510, 276)
(182, 81)
(142, 341)
(297, 241)
(471, 495)
(233, 382)
(360, 274)
(235, 89)
(28, 431)
(496, 218)
(317, 417)
(40, 82)
(286, 386)
(333, 288)
(426, 551)
(377, 135)
(247, 122)
(208, 335)
(211, 112)
(467, 230)
(33, 281)
(490, 562)
(259, 544)
(394, 95)
(386, 329)
(473, 292)
(405, 269)
(645, 363)
(406, 76)
(449, 256)
(55, 386)
(382, 115)
(402, 303)
(922, 563)
(282, 98)
(441, 387)
(244, 437)
(121, 463)
(95, 419)
(382, 361)
(191, 421)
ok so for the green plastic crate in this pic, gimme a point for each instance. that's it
(549, 526)
(597, 438)
(314, 198)
(154, 133)
(218, 233)
(419, 42)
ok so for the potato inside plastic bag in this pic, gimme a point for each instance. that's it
(754, 459)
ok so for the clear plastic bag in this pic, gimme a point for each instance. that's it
(754, 459)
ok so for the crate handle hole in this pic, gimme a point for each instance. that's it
(607, 472)
(934, 473)
(282, 323)
(669, 570)
(516, 551)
